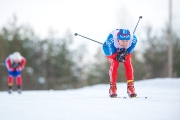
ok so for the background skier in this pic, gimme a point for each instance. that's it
(15, 64)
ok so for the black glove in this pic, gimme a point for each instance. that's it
(121, 55)
(15, 65)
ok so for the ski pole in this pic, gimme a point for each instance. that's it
(88, 38)
(140, 17)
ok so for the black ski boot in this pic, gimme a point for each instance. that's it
(9, 89)
(19, 89)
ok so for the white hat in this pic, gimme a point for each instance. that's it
(16, 56)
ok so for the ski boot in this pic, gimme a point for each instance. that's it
(9, 89)
(130, 89)
(19, 89)
(112, 91)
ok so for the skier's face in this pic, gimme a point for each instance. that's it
(16, 61)
(123, 43)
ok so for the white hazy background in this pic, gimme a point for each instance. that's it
(92, 18)
(94, 103)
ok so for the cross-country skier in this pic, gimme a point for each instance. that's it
(118, 48)
(15, 64)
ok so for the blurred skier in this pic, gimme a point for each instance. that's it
(118, 48)
(15, 64)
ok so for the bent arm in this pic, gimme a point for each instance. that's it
(133, 44)
(108, 46)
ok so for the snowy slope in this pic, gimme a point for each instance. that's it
(94, 103)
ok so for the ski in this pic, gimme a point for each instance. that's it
(124, 97)
(134, 97)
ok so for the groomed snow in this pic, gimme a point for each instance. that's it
(94, 103)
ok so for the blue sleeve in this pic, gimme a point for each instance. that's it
(108, 46)
(133, 44)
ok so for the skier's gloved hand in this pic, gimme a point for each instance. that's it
(15, 65)
(121, 55)
(19, 68)
(123, 51)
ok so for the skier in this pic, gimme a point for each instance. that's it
(15, 64)
(118, 48)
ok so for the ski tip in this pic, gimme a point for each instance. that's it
(124, 97)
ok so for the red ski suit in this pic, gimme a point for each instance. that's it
(112, 47)
(14, 72)
(113, 71)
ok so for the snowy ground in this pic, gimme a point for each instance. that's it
(93, 103)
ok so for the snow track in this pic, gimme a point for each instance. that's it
(94, 103)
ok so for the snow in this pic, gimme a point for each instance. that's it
(94, 103)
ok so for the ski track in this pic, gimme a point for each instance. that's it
(94, 103)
